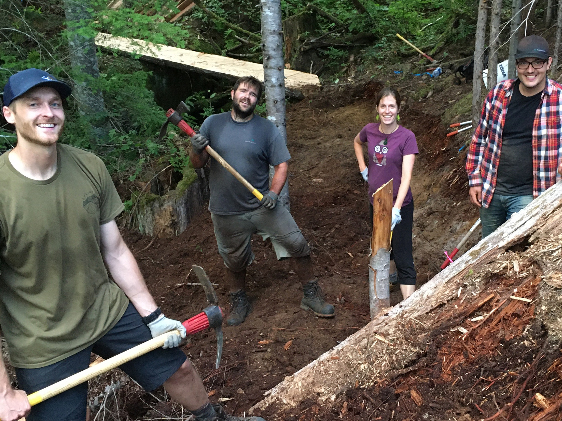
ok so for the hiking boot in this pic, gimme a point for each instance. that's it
(312, 300)
(240, 308)
(216, 413)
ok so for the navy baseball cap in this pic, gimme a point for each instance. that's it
(532, 46)
(21, 82)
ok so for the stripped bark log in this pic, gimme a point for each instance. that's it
(363, 359)
(379, 264)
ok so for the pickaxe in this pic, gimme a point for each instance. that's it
(174, 117)
(210, 317)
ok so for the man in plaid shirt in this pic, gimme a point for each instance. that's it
(514, 152)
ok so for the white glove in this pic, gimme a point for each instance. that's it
(162, 325)
(396, 218)
(365, 173)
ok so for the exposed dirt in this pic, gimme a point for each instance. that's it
(457, 379)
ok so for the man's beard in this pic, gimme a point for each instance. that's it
(240, 113)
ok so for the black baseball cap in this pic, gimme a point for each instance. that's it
(21, 82)
(533, 46)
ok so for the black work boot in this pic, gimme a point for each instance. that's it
(240, 308)
(312, 300)
(216, 413)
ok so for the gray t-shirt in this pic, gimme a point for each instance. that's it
(250, 148)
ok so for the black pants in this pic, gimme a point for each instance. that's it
(401, 244)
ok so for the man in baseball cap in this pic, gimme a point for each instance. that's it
(21, 82)
(59, 240)
(514, 152)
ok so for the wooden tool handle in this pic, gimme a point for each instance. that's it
(235, 173)
(91, 372)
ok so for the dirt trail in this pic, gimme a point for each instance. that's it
(329, 202)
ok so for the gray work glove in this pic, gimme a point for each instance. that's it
(269, 200)
(199, 143)
(396, 217)
(162, 325)
(365, 174)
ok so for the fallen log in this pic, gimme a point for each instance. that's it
(363, 359)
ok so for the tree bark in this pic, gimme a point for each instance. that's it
(478, 57)
(273, 73)
(495, 20)
(514, 38)
(85, 68)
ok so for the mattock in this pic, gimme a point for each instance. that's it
(213, 312)
(174, 117)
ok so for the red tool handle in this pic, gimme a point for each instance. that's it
(197, 323)
(182, 124)
(447, 261)
(452, 133)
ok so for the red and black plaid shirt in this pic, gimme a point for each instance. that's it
(485, 147)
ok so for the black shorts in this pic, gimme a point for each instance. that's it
(149, 370)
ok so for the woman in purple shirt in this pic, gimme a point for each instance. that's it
(392, 151)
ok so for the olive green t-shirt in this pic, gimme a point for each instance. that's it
(55, 294)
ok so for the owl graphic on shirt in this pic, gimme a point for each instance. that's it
(379, 153)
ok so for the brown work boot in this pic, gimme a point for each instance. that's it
(312, 300)
(240, 308)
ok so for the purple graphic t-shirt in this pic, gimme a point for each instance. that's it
(385, 157)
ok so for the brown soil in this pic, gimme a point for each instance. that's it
(498, 364)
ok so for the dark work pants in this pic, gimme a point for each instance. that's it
(401, 244)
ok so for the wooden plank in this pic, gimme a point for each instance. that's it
(379, 263)
(361, 361)
(184, 9)
(206, 63)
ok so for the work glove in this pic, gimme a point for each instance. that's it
(269, 200)
(365, 173)
(396, 218)
(199, 143)
(162, 325)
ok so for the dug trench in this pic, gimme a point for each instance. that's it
(453, 379)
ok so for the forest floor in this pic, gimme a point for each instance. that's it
(329, 203)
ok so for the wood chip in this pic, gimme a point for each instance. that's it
(288, 345)
(416, 397)
(265, 342)
(541, 401)
(513, 297)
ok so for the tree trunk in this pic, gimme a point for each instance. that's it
(495, 20)
(514, 38)
(557, 43)
(548, 17)
(273, 73)
(478, 57)
(85, 69)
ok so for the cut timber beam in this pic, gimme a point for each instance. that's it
(388, 343)
(201, 62)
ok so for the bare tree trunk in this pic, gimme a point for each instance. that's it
(478, 65)
(557, 43)
(514, 38)
(85, 68)
(548, 17)
(273, 72)
(495, 20)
